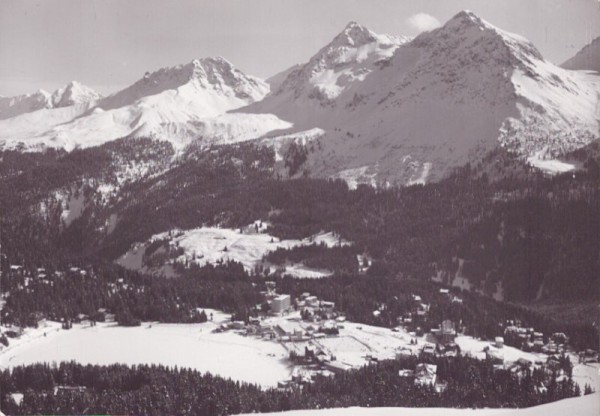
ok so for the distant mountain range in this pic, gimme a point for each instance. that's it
(368, 108)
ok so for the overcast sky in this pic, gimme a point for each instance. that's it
(108, 44)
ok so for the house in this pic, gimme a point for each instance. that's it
(406, 373)
(451, 350)
(444, 292)
(499, 342)
(425, 374)
(448, 332)
(456, 299)
(428, 349)
(311, 301)
(237, 325)
(404, 352)
(281, 304)
(560, 338)
(441, 386)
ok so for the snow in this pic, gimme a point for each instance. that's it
(586, 374)
(426, 106)
(581, 406)
(180, 104)
(193, 346)
(474, 347)
(370, 108)
(550, 166)
(248, 247)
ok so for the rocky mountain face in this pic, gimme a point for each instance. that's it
(588, 58)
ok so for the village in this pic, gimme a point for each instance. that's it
(318, 340)
(321, 342)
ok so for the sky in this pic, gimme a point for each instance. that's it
(109, 44)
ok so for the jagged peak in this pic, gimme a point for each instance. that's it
(354, 35)
(467, 17)
(467, 27)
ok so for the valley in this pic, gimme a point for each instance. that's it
(396, 222)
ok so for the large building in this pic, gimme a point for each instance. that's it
(281, 303)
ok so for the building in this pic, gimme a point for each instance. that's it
(281, 303)
(425, 374)
(406, 373)
(499, 342)
(336, 367)
(448, 332)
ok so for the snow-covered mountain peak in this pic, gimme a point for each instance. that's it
(213, 75)
(73, 93)
(353, 35)
(341, 64)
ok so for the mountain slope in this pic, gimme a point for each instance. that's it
(440, 101)
(13, 106)
(177, 104)
(315, 86)
(587, 58)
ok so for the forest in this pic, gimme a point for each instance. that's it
(71, 388)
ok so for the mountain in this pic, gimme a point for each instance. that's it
(177, 104)
(587, 58)
(71, 94)
(437, 102)
(367, 108)
(13, 106)
(316, 85)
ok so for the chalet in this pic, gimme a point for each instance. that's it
(560, 338)
(499, 342)
(456, 299)
(237, 325)
(425, 374)
(404, 352)
(428, 349)
(451, 350)
(441, 386)
(423, 309)
(406, 373)
(448, 332)
(311, 301)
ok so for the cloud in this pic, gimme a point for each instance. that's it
(422, 22)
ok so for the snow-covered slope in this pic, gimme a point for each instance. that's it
(587, 58)
(304, 91)
(13, 106)
(435, 103)
(178, 104)
(582, 406)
